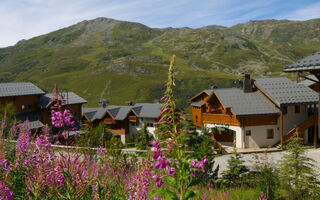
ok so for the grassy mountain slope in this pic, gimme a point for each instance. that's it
(119, 61)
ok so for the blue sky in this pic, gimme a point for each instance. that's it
(23, 19)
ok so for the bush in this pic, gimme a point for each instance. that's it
(93, 137)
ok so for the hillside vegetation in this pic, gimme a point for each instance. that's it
(119, 61)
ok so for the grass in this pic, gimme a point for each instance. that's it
(79, 59)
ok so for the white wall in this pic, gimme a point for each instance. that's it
(151, 130)
(258, 138)
(291, 119)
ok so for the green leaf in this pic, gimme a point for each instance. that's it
(190, 194)
(168, 194)
(172, 181)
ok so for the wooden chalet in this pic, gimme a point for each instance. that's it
(123, 120)
(263, 113)
(24, 96)
(309, 64)
(33, 104)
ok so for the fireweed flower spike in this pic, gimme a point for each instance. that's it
(169, 154)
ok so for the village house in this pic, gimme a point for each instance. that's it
(33, 104)
(263, 113)
(123, 120)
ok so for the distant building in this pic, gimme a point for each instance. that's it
(33, 104)
(124, 120)
(263, 113)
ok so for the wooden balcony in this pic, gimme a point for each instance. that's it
(220, 119)
(109, 121)
(133, 119)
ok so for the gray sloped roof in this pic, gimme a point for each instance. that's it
(69, 97)
(209, 92)
(198, 104)
(19, 89)
(147, 110)
(245, 104)
(32, 117)
(143, 110)
(308, 63)
(283, 91)
(94, 113)
(308, 82)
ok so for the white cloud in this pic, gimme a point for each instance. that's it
(23, 19)
(305, 13)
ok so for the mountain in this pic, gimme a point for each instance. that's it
(119, 60)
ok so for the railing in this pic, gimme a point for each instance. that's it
(300, 129)
(220, 119)
(109, 121)
(133, 118)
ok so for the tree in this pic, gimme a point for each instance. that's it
(298, 177)
(142, 138)
(234, 175)
(93, 137)
(7, 115)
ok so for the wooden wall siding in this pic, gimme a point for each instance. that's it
(29, 102)
(197, 116)
(259, 120)
(201, 97)
(315, 87)
(121, 127)
(214, 104)
(220, 119)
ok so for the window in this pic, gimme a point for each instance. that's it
(248, 132)
(196, 118)
(284, 110)
(270, 134)
(134, 123)
(296, 109)
(23, 107)
(150, 125)
(29, 106)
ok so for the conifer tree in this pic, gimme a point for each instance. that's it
(297, 173)
(233, 176)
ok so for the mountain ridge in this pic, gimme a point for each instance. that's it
(120, 60)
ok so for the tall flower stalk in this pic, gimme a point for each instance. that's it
(178, 170)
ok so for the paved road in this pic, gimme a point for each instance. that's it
(273, 157)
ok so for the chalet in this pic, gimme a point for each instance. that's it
(123, 120)
(263, 113)
(24, 96)
(309, 64)
(71, 101)
(33, 104)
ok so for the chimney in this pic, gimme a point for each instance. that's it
(129, 103)
(103, 103)
(213, 87)
(247, 86)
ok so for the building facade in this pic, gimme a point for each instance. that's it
(263, 113)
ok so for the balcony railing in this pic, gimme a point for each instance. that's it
(220, 119)
(133, 118)
(109, 121)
